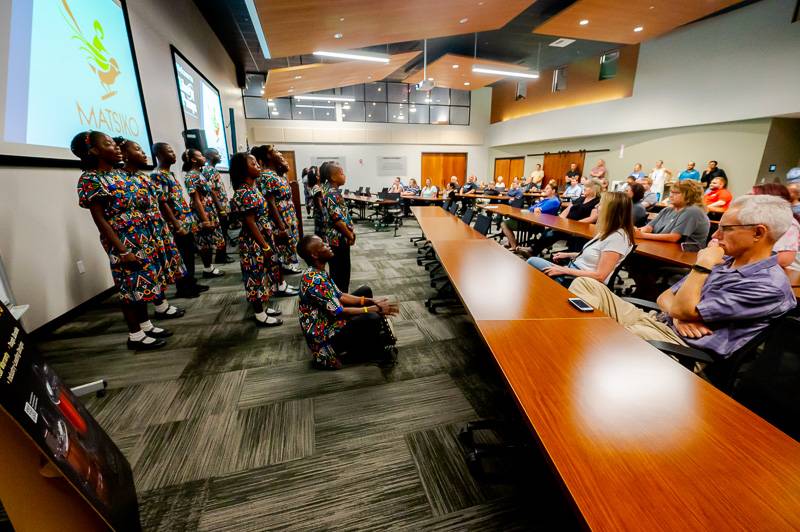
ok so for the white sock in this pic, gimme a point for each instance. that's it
(261, 316)
(163, 307)
(210, 269)
(148, 326)
(138, 336)
(282, 286)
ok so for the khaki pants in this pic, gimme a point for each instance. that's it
(641, 323)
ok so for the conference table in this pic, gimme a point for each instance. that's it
(363, 202)
(638, 441)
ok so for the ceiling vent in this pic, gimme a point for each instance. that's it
(561, 43)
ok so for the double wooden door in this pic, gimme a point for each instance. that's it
(509, 168)
(556, 165)
(439, 167)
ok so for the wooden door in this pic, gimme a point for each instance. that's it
(556, 165)
(291, 175)
(509, 168)
(517, 169)
(439, 167)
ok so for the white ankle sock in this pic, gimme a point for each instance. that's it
(210, 269)
(282, 286)
(163, 307)
(148, 326)
(261, 316)
(137, 336)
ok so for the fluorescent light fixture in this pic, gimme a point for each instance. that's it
(315, 106)
(507, 73)
(349, 55)
(262, 40)
(322, 97)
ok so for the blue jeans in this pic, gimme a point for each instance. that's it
(542, 264)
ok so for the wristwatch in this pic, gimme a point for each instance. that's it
(700, 269)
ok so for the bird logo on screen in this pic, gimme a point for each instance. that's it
(105, 67)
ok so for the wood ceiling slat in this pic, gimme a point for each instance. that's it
(444, 75)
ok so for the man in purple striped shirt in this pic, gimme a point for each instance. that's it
(734, 290)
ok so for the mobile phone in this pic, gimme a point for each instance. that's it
(690, 246)
(580, 304)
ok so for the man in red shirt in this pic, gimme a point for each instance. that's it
(717, 196)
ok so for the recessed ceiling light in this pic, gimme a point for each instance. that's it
(299, 112)
(413, 109)
(344, 115)
(298, 77)
(358, 56)
(329, 99)
(269, 99)
(394, 116)
(430, 79)
(328, 113)
(337, 35)
(379, 89)
(262, 91)
(427, 100)
(369, 116)
(463, 20)
(652, 7)
(291, 90)
(369, 77)
(508, 73)
(480, 3)
(637, 29)
(341, 19)
(466, 83)
(455, 66)
(374, 104)
(584, 22)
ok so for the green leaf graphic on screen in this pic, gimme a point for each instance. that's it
(106, 68)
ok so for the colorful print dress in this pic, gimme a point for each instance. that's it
(125, 204)
(214, 179)
(260, 268)
(271, 184)
(173, 193)
(171, 262)
(320, 314)
(208, 240)
(319, 213)
(335, 210)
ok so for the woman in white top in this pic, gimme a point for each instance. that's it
(499, 184)
(429, 191)
(659, 176)
(601, 255)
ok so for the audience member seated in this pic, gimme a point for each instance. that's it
(689, 173)
(603, 184)
(451, 191)
(599, 171)
(710, 173)
(601, 255)
(470, 185)
(628, 182)
(338, 325)
(573, 172)
(514, 191)
(397, 186)
(786, 248)
(499, 185)
(718, 196)
(684, 221)
(794, 192)
(548, 204)
(537, 177)
(659, 176)
(635, 192)
(650, 198)
(430, 190)
(637, 172)
(732, 293)
(574, 190)
(412, 189)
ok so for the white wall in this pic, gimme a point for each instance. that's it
(361, 143)
(737, 66)
(44, 232)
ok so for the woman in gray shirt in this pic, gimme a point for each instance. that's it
(684, 221)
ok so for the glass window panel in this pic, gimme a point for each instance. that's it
(280, 108)
(353, 112)
(325, 91)
(459, 97)
(375, 92)
(302, 110)
(459, 116)
(416, 96)
(325, 112)
(608, 65)
(397, 92)
(254, 84)
(255, 107)
(353, 91)
(376, 112)
(418, 114)
(398, 113)
(560, 79)
(440, 96)
(440, 114)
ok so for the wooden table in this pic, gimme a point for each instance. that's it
(498, 197)
(362, 202)
(639, 442)
(420, 199)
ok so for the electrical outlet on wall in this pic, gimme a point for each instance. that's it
(81, 267)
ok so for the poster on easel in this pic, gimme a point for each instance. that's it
(42, 406)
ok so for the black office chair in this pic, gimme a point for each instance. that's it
(446, 205)
(367, 192)
(468, 215)
(482, 224)
(360, 191)
(517, 202)
(615, 278)
(385, 190)
(453, 207)
(347, 191)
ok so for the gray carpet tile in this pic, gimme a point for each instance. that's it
(174, 508)
(203, 395)
(497, 516)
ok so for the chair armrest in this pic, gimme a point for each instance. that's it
(681, 351)
(642, 303)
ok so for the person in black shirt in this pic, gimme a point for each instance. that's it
(710, 173)
(573, 172)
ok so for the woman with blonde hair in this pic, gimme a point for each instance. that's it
(601, 255)
(685, 220)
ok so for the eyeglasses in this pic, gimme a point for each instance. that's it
(729, 228)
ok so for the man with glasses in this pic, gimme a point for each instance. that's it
(733, 291)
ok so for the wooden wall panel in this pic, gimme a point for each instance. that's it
(517, 169)
(583, 87)
(440, 166)
(556, 166)
(501, 168)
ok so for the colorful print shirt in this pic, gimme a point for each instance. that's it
(173, 191)
(249, 199)
(214, 179)
(335, 210)
(195, 181)
(320, 313)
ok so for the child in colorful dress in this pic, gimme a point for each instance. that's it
(214, 179)
(315, 197)
(209, 238)
(185, 224)
(338, 226)
(335, 323)
(276, 190)
(118, 206)
(256, 253)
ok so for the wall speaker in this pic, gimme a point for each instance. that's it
(195, 139)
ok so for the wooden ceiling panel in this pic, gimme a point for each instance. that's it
(295, 28)
(320, 76)
(614, 21)
(452, 71)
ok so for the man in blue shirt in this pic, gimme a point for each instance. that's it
(637, 171)
(549, 204)
(689, 173)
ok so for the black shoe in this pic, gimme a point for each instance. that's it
(224, 260)
(286, 293)
(165, 316)
(163, 334)
(188, 294)
(213, 275)
(273, 312)
(260, 323)
(389, 358)
(139, 345)
(201, 287)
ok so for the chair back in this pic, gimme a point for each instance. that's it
(347, 191)
(385, 190)
(360, 191)
(624, 262)
(468, 215)
(446, 205)
(367, 192)
(517, 202)
(482, 224)
(392, 196)
(453, 206)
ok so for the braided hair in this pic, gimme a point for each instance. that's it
(186, 157)
(81, 146)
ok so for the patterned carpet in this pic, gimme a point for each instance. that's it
(230, 429)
